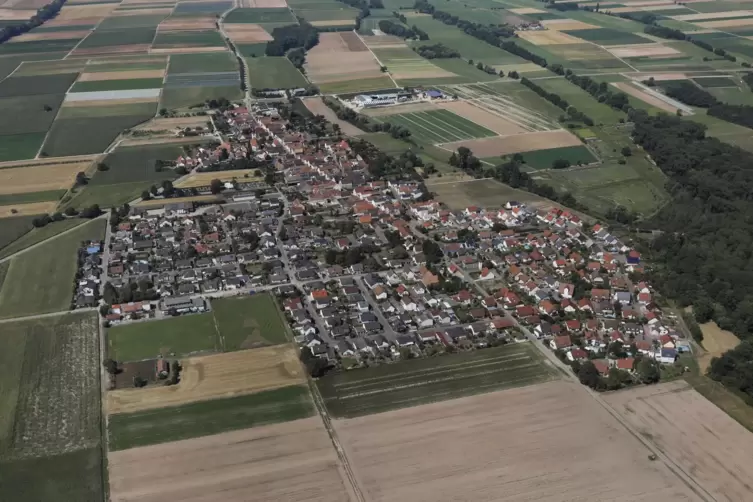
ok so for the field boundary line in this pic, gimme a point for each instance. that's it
(376, 58)
(327, 422)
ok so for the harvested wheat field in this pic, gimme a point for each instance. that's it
(481, 117)
(726, 23)
(216, 376)
(75, 12)
(27, 209)
(507, 145)
(333, 22)
(383, 111)
(548, 37)
(645, 97)
(567, 24)
(170, 124)
(198, 23)
(33, 176)
(50, 35)
(340, 57)
(120, 75)
(243, 33)
(526, 10)
(716, 341)
(83, 103)
(383, 41)
(696, 435)
(291, 462)
(16, 14)
(84, 21)
(203, 179)
(316, 106)
(546, 443)
(642, 50)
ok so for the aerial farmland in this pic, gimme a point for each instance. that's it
(361, 250)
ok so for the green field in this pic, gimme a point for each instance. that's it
(180, 97)
(208, 38)
(117, 85)
(439, 126)
(270, 15)
(46, 273)
(411, 383)
(182, 336)
(81, 136)
(27, 198)
(360, 85)
(711, 82)
(124, 110)
(130, 23)
(41, 84)
(249, 322)
(344, 13)
(106, 196)
(207, 62)
(11, 229)
(137, 163)
(252, 50)
(607, 36)
(483, 193)
(209, 417)
(20, 146)
(28, 114)
(274, 73)
(543, 159)
(102, 37)
(33, 236)
(580, 99)
(50, 410)
(38, 47)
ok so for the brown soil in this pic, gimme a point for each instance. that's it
(218, 375)
(567, 24)
(16, 14)
(332, 61)
(544, 443)
(291, 462)
(483, 118)
(243, 33)
(699, 437)
(353, 41)
(142, 12)
(108, 102)
(172, 123)
(726, 23)
(716, 341)
(526, 142)
(263, 4)
(120, 75)
(317, 107)
(84, 21)
(333, 22)
(383, 41)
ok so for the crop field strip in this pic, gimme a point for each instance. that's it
(410, 383)
(440, 126)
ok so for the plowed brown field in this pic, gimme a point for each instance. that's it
(291, 462)
(546, 443)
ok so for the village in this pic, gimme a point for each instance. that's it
(371, 271)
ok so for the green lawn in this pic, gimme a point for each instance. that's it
(209, 417)
(41, 280)
(180, 97)
(274, 73)
(181, 336)
(29, 114)
(249, 322)
(410, 383)
(483, 193)
(137, 163)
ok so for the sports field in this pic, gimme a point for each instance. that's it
(411, 383)
(47, 273)
(439, 126)
(192, 420)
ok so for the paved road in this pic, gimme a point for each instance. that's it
(386, 327)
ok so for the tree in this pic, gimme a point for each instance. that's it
(145, 195)
(81, 178)
(58, 216)
(647, 370)
(71, 211)
(626, 151)
(101, 166)
(617, 378)
(111, 366)
(703, 309)
(589, 375)
(216, 186)
(163, 112)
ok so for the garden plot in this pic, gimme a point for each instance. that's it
(505, 106)
(338, 57)
(214, 376)
(440, 126)
(507, 145)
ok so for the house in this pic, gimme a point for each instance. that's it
(501, 323)
(625, 364)
(486, 275)
(345, 348)
(577, 355)
(667, 356)
(380, 293)
(405, 340)
(602, 366)
(560, 342)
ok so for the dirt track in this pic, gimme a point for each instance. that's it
(548, 442)
(695, 434)
(291, 462)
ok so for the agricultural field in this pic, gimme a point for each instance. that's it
(494, 444)
(215, 376)
(411, 383)
(32, 236)
(293, 461)
(274, 73)
(341, 62)
(164, 425)
(439, 126)
(12, 229)
(47, 273)
(50, 409)
(668, 414)
(233, 324)
(482, 193)
(543, 159)
(716, 342)
(580, 99)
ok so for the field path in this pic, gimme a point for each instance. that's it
(49, 314)
(348, 470)
(375, 57)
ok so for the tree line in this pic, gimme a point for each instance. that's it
(436, 51)
(387, 167)
(302, 35)
(558, 101)
(692, 95)
(43, 14)
(392, 28)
